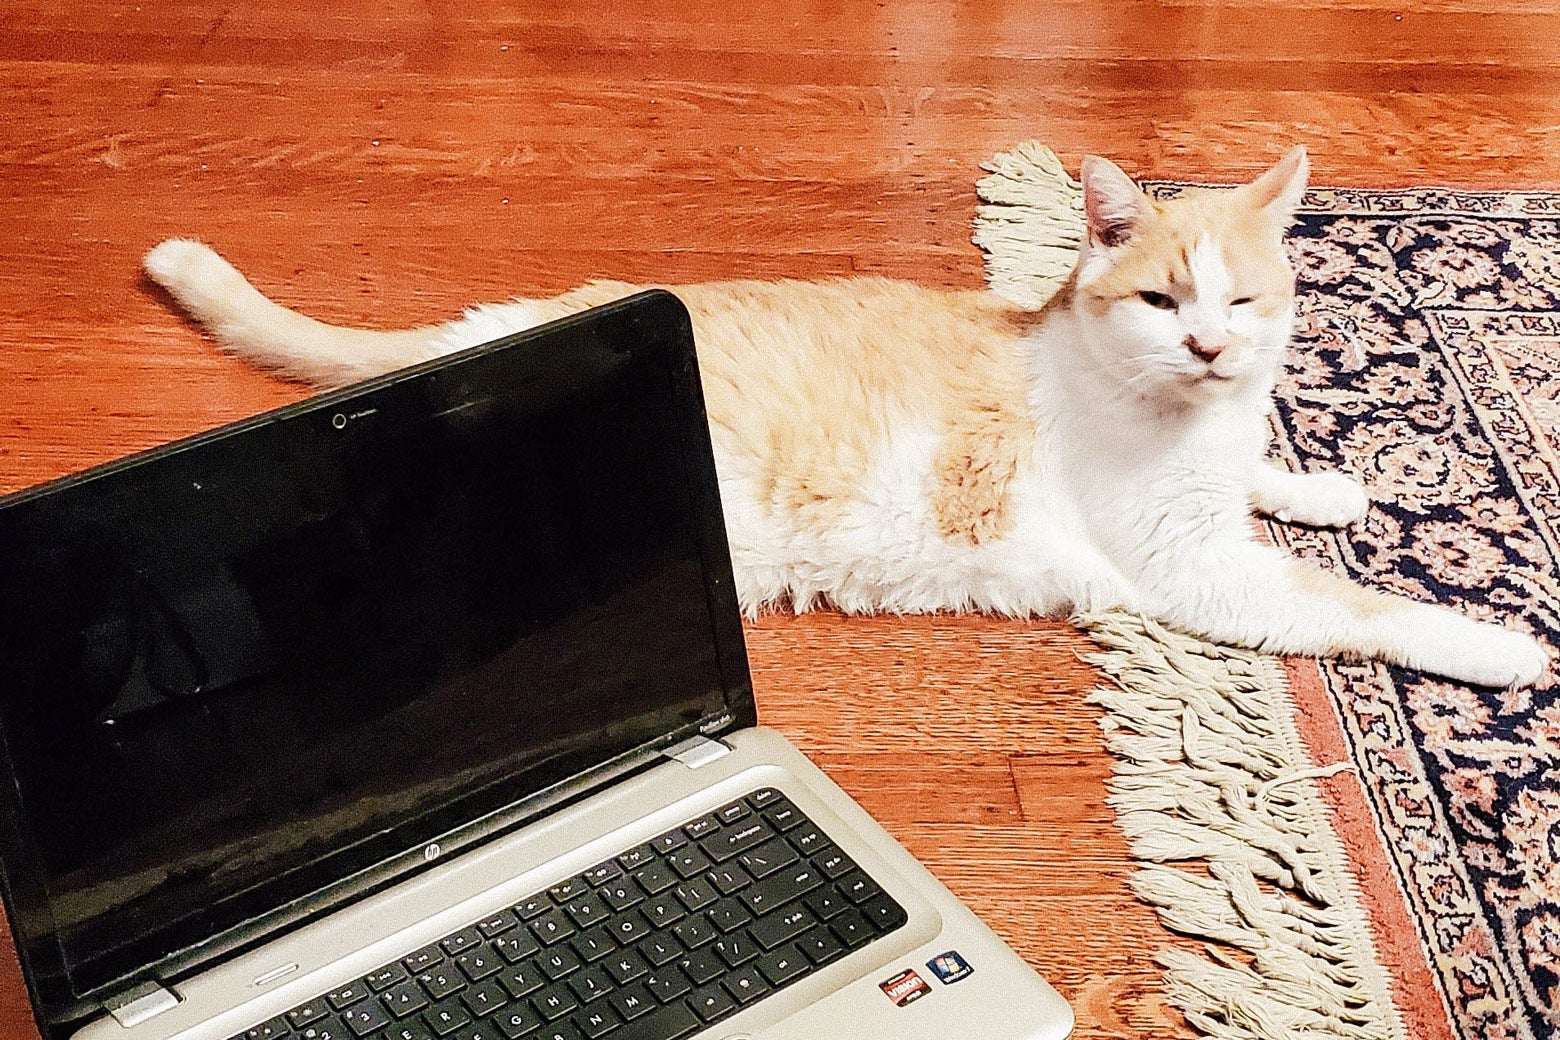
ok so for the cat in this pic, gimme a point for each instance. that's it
(887, 447)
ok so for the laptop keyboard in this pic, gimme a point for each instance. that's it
(657, 943)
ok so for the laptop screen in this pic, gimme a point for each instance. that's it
(238, 670)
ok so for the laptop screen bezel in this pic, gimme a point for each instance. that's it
(660, 319)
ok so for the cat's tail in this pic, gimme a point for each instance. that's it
(268, 334)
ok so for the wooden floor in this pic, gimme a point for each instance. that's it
(387, 164)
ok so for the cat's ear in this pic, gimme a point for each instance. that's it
(1277, 193)
(1113, 206)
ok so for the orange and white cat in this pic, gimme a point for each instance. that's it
(885, 447)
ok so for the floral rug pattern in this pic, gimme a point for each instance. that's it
(1427, 362)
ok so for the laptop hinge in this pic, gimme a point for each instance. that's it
(148, 1000)
(697, 751)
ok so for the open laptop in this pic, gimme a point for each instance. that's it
(420, 711)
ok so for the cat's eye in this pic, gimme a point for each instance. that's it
(1242, 301)
(1157, 299)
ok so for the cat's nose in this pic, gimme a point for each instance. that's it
(1205, 349)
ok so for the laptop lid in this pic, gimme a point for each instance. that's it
(254, 674)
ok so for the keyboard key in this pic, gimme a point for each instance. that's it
(633, 859)
(404, 998)
(833, 863)
(598, 1022)
(694, 932)
(327, 1028)
(689, 862)
(416, 1029)
(765, 798)
(628, 929)
(655, 878)
(347, 995)
(602, 873)
(313, 1011)
(622, 894)
(701, 966)
(461, 940)
(858, 888)
(660, 949)
(478, 964)
(783, 815)
(668, 1023)
(736, 949)
(516, 946)
(365, 1017)
(695, 895)
(586, 911)
(778, 890)
(555, 1003)
(594, 944)
(553, 926)
(807, 840)
(498, 924)
(446, 1017)
(883, 913)
(851, 928)
(712, 1003)
(385, 977)
(536, 906)
(666, 986)
(732, 813)
(729, 878)
(783, 965)
(729, 915)
(746, 985)
(423, 959)
(272, 1030)
(626, 967)
(782, 927)
(734, 841)
(826, 903)
(484, 1000)
(821, 946)
(660, 913)
(632, 1002)
(768, 858)
(516, 1021)
(569, 890)
(590, 985)
(521, 980)
(559, 1031)
(440, 982)
(703, 827)
(671, 841)
(558, 962)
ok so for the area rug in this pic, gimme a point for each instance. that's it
(1387, 857)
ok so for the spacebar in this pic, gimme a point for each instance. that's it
(668, 1023)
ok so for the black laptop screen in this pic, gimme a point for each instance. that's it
(240, 670)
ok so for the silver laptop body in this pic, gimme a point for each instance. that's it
(434, 911)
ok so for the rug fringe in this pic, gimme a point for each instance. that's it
(1212, 770)
(1031, 225)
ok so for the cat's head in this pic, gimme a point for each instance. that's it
(1190, 299)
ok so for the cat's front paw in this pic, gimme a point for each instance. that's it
(1493, 656)
(1323, 500)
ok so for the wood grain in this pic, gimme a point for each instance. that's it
(387, 163)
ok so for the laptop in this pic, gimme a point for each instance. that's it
(421, 711)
